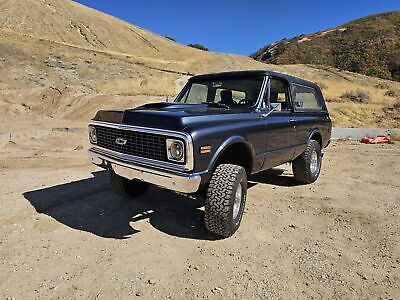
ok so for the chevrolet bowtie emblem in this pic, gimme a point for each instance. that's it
(120, 141)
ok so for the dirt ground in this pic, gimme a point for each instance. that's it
(65, 234)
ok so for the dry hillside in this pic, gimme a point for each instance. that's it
(369, 45)
(62, 60)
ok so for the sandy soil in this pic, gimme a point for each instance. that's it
(65, 234)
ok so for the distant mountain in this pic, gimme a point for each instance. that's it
(370, 46)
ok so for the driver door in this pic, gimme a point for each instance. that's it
(280, 124)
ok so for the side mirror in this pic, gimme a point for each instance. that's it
(276, 107)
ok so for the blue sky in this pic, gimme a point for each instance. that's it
(235, 26)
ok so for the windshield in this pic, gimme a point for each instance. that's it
(227, 93)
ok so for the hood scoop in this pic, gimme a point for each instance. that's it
(111, 116)
(171, 106)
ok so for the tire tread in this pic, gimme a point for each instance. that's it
(218, 204)
(300, 165)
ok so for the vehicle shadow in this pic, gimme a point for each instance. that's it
(90, 205)
(272, 176)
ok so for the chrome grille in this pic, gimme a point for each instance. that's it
(138, 143)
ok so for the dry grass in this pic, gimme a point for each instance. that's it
(334, 90)
(160, 85)
(116, 58)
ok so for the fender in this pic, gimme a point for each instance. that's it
(224, 145)
(314, 131)
(299, 149)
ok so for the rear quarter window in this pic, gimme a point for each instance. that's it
(306, 98)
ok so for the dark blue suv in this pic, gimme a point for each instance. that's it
(220, 129)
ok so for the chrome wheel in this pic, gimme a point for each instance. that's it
(238, 201)
(314, 162)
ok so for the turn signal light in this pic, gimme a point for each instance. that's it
(205, 149)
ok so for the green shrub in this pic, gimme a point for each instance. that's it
(198, 46)
(357, 96)
(392, 93)
(329, 99)
(377, 72)
(382, 86)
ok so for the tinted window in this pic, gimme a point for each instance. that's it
(305, 98)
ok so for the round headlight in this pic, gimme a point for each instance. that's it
(92, 135)
(176, 150)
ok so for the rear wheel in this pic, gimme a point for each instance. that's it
(225, 200)
(128, 188)
(307, 166)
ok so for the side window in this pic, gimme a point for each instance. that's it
(305, 98)
(278, 93)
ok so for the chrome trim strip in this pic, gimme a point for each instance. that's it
(176, 181)
(127, 158)
(142, 129)
(169, 133)
(264, 86)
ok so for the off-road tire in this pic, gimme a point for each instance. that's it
(219, 204)
(128, 188)
(301, 165)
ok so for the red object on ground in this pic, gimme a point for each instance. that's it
(377, 140)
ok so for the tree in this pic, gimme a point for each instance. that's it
(198, 46)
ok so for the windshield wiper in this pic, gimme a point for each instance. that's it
(217, 104)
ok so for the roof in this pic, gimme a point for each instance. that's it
(250, 74)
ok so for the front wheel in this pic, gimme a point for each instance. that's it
(225, 200)
(307, 166)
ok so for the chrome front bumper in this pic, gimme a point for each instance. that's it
(176, 181)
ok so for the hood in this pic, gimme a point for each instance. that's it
(172, 116)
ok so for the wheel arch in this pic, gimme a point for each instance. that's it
(315, 135)
(235, 150)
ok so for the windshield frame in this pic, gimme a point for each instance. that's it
(254, 106)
